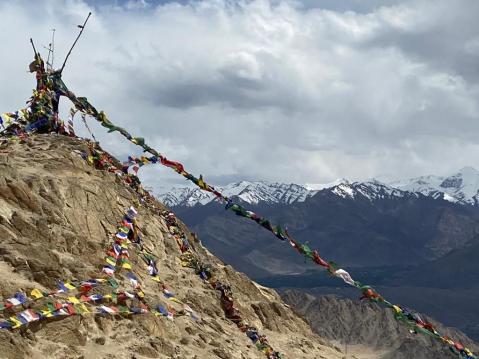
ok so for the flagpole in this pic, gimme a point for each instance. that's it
(82, 27)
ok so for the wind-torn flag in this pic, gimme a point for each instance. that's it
(345, 276)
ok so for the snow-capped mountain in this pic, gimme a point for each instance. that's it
(372, 190)
(250, 192)
(461, 187)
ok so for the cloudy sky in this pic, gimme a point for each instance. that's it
(284, 90)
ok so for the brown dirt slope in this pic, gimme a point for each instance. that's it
(57, 217)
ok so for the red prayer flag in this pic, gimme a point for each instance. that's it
(317, 259)
(172, 164)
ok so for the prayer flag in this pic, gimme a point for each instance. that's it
(108, 310)
(121, 235)
(36, 293)
(167, 293)
(16, 323)
(17, 299)
(113, 282)
(65, 287)
(5, 324)
(108, 270)
(341, 273)
(133, 279)
(73, 300)
(111, 261)
(29, 315)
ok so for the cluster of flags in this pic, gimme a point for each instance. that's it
(188, 259)
(118, 255)
(58, 302)
(62, 302)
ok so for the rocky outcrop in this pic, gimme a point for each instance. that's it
(367, 328)
(57, 218)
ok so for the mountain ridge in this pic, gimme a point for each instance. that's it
(461, 187)
(346, 321)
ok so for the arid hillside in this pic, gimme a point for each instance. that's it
(59, 217)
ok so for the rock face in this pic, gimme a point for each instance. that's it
(57, 218)
(368, 330)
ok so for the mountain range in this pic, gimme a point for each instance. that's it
(461, 187)
(416, 239)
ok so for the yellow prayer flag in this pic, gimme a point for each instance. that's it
(110, 262)
(69, 286)
(35, 293)
(16, 322)
(47, 313)
(397, 309)
(84, 308)
(201, 183)
(73, 300)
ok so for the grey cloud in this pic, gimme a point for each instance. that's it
(441, 41)
(269, 90)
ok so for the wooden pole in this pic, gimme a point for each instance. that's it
(53, 46)
(33, 45)
(82, 27)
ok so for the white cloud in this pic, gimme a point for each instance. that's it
(267, 90)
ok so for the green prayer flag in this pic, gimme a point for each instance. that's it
(140, 141)
(307, 251)
(51, 307)
(113, 282)
(123, 309)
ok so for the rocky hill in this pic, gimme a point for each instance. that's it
(58, 218)
(367, 330)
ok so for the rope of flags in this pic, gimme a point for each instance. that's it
(205, 272)
(42, 114)
(61, 302)
(412, 320)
